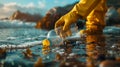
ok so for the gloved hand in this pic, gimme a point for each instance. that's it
(62, 26)
(80, 10)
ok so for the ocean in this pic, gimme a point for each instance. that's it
(22, 33)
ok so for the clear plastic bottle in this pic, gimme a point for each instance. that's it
(54, 39)
(64, 34)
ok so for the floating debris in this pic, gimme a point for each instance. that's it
(39, 63)
(28, 53)
(3, 53)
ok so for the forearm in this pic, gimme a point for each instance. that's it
(84, 7)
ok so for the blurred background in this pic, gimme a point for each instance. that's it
(8, 7)
(27, 22)
(47, 12)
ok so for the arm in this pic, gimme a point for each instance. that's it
(80, 10)
(84, 7)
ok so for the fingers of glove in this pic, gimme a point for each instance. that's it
(58, 30)
(65, 34)
(59, 25)
(66, 26)
(69, 33)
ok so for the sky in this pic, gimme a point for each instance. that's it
(7, 7)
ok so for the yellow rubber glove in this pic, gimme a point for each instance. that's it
(64, 24)
(80, 10)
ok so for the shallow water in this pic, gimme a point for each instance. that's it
(67, 53)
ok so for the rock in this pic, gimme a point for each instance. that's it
(6, 18)
(52, 16)
(18, 15)
(48, 21)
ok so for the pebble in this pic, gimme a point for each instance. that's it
(75, 66)
(58, 57)
(109, 63)
(39, 63)
(67, 64)
(117, 58)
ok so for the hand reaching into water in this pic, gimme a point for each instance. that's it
(62, 26)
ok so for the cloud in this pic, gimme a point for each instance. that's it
(30, 5)
(10, 4)
(8, 9)
(64, 3)
(42, 3)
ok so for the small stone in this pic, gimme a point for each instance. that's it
(75, 66)
(117, 58)
(39, 63)
(109, 63)
(67, 64)
(58, 57)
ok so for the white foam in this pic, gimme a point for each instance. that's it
(15, 23)
(11, 38)
(22, 46)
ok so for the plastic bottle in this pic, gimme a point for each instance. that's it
(54, 39)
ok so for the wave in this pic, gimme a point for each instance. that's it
(16, 24)
(113, 30)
